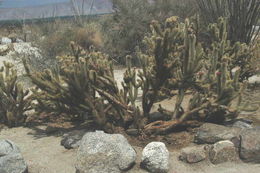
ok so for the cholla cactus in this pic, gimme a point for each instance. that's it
(14, 100)
(239, 54)
(220, 86)
(160, 59)
(221, 63)
(207, 75)
(173, 53)
(191, 63)
(84, 84)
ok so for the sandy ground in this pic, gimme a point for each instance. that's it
(44, 154)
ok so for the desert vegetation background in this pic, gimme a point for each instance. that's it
(149, 69)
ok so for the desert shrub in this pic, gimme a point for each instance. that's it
(14, 100)
(126, 28)
(45, 27)
(86, 37)
(181, 8)
(243, 16)
(56, 43)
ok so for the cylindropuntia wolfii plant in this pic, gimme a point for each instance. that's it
(85, 81)
(14, 100)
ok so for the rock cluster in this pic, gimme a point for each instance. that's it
(111, 153)
(230, 142)
(99, 152)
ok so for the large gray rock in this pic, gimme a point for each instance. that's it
(250, 145)
(72, 139)
(211, 133)
(6, 40)
(223, 151)
(11, 160)
(104, 153)
(194, 154)
(155, 158)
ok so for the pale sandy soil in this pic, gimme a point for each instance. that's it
(44, 154)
